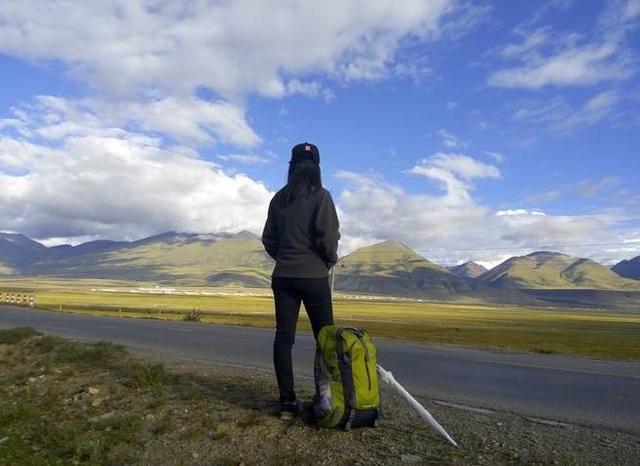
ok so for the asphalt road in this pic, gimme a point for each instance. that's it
(594, 392)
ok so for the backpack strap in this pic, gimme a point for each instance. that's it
(346, 374)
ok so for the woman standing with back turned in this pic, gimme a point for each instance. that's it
(301, 234)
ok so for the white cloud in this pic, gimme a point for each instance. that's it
(531, 40)
(453, 226)
(549, 5)
(455, 172)
(82, 178)
(600, 188)
(309, 89)
(591, 188)
(632, 9)
(594, 110)
(234, 48)
(449, 140)
(620, 14)
(543, 197)
(147, 64)
(190, 121)
(580, 65)
(512, 212)
(558, 115)
(497, 156)
(569, 59)
(247, 159)
(459, 165)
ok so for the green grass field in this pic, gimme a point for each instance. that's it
(580, 332)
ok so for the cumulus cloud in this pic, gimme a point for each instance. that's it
(151, 62)
(231, 47)
(375, 209)
(189, 121)
(82, 178)
(452, 226)
(455, 172)
(166, 79)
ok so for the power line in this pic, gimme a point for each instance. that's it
(541, 247)
(545, 246)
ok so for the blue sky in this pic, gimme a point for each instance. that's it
(465, 131)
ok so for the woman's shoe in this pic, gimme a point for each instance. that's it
(289, 410)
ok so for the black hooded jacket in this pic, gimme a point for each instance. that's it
(303, 236)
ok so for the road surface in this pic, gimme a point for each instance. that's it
(594, 392)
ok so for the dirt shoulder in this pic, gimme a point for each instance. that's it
(64, 402)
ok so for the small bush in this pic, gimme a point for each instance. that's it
(100, 353)
(147, 375)
(15, 335)
(193, 316)
(48, 343)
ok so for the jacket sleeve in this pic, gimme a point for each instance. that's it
(270, 233)
(326, 228)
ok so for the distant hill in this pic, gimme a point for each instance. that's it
(179, 258)
(17, 251)
(628, 268)
(388, 268)
(66, 250)
(392, 268)
(468, 270)
(552, 270)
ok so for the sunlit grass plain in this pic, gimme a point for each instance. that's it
(591, 333)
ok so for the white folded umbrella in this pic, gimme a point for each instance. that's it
(388, 378)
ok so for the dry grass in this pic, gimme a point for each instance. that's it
(581, 332)
(63, 402)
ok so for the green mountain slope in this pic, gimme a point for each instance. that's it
(391, 268)
(552, 270)
(179, 258)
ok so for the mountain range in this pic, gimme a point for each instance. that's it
(388, 268)
(544, 269)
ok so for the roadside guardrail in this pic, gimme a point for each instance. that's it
(18, 298)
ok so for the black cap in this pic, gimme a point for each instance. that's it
(305, 153)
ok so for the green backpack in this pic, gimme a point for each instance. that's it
(347, 393)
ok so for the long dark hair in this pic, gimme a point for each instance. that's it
(303, 179)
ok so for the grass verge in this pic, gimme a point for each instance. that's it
(63, 402)
(599, 334)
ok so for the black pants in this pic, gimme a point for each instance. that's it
(288, 293)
